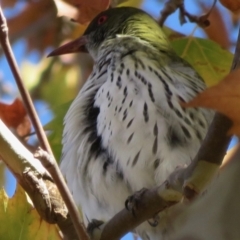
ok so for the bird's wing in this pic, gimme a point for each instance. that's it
(139, 111)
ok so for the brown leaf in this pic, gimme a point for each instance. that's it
(217, 30)
(15, 116)
(24, 128)
(223, 97)
(87, 10)
(37, 23)
(8, 3)
(232, 5)
(31, 13)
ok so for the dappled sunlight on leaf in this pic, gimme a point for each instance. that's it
(224, 97)
(65, 9)
(83, 12)
(87, 10)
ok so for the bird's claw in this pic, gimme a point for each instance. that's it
(133, 201)
(93, 225)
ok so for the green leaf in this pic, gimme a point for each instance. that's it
(63, 86)
(211, 61)
(52, 81)
(56, 129)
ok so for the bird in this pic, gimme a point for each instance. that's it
(126, 129)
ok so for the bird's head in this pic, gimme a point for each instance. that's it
(112, 22)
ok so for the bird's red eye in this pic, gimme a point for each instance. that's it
(102, 19)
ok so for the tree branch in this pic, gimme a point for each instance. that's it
(152, 201)
(52, 167)
(24, 93)
(29, 172)
(216, 213)
(36, 181)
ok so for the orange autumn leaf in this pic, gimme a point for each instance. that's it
(15, 116)
(36, 21)
(217, 21)
(86, 10)
(232, 5)
(8, 3)
(224, 98)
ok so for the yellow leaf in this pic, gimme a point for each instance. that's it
(20, 220)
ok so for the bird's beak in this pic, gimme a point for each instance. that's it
(77, 45)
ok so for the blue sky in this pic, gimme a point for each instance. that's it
(151, 6)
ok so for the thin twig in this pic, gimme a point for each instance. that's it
(50, 164)
(56, 174)
(36, 181)
(169, 7)
(172, 5)
(24, 93)
(29, 172)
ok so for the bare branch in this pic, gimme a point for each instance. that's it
(30, 173)
(36, 181)
(152, 201)
(210, 154)
(50, 164)
(216, 213)
(24, 93)
(170, 7)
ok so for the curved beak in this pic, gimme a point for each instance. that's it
(77, 45)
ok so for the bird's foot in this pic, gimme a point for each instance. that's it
(94, 229)
(133, 201)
